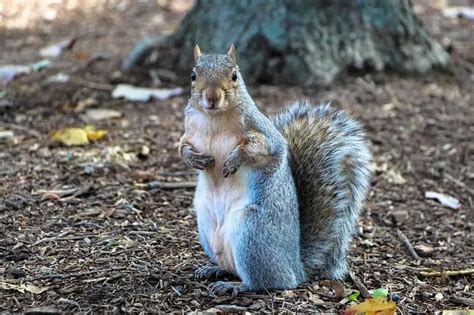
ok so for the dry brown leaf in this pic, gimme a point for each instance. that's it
(22, 287)
(102, 113)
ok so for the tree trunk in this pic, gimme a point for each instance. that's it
(304, 42)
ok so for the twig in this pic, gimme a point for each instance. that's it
(408, 245)
(165, 185)
(61, 238)
(362, 288)
(65, 194)
(93, 85)
(68, 301)
(177, 173)
(60, 193)
(448, 273)
(76, 274)
(79, 191)
(459, 183)
(462, 300)
(32, 132)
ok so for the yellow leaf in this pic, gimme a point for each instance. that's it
(78, 136)
(373, 306)
(71, 136)
(89, 128)
(96, 135)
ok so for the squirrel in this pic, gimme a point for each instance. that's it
(277, 199)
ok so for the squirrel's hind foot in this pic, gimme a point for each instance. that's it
(211, 272)
(223, 287)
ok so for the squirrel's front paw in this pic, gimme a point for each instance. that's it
(197, 160)
(232, 163)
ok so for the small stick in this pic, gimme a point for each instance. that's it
(362, 288)
(93, 85)
(449, 273)
(408, 245)
(459, 183)
(60, 193)
(165, 185)
(32, 132)
(463, 301)
(79, 192)
(76, 274)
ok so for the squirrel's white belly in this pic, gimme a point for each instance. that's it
(219, 201)
(219, 209)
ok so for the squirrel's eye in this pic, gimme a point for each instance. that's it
(234, 76)
(193, 76)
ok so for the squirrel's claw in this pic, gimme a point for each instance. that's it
(232, 163)
(222, 287)
(199, 161)
(210, 271)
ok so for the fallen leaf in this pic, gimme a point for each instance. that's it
(424, 250)
(93, 134)
(10, 72)
(58, 78)
(83, 104)
(57, 49)
(400, 216)
(23, 287)
(288, 294)
(394, 177)
(41, 65)
(354, 296)
(71, 136)
(372, 306)
(380, 293)
(458, 12)
(444, 199)
(140, 94)
(6, 134)
(78, 136)
(117, 154)
(100, 114)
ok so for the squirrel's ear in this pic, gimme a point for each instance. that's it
(197, 53)
(232, 53)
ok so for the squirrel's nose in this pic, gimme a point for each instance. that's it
(213, 98)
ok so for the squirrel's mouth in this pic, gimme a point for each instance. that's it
(213, 105)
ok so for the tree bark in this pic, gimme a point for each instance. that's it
(304, 42)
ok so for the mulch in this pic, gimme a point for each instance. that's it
(108, 240)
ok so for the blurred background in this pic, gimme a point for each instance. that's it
(95, 204)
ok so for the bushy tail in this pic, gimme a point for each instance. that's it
(330, 163)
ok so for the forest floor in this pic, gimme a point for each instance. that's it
(102, 242)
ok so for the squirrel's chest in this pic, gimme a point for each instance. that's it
(216, 137)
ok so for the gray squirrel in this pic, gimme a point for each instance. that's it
(277, 199)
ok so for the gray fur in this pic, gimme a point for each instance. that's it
(330, 163)
(267, 243)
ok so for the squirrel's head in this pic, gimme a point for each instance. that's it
(215, 80)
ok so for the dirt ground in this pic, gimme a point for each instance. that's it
(113, 245)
